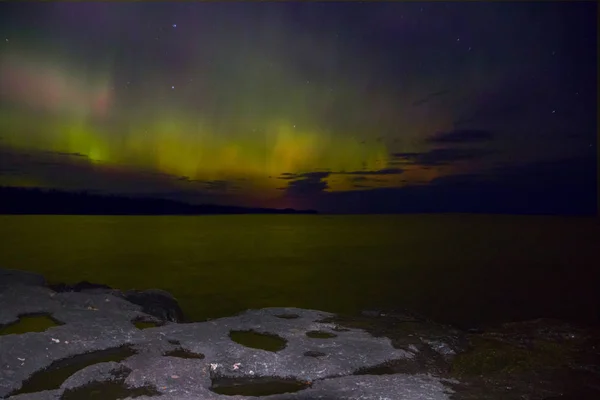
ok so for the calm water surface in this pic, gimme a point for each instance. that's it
(455, 268)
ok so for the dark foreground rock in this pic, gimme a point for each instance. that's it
(542, 359)
(100, 343)
(155, 302)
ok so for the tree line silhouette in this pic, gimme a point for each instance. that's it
(19, 200)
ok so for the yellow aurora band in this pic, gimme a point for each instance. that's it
(56, 108)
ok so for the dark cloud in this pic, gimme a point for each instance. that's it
(365, 179)
(566, 186)
(443, 156)
(60, 153)
(287, 175)
(304, 175)
(462, 136)
(307, 184)
(385, 171)
(313, 183)
(429, 97)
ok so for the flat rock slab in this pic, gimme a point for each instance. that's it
(96, 322)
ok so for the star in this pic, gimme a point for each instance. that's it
(172, 87)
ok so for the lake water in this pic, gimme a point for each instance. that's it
(466, 269)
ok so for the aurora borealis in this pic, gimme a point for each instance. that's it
(296, 105)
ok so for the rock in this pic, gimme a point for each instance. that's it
(409, 329)
(403, 315)
(78, 287)
(97, 348)
(16, 277)
(91, 335)
(156, 302)
(525, 332)
(371, 313)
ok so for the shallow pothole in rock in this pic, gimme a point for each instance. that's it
(260, 386)
(30, 323)
(287, 316)
(183, 353)
(114, 389)
(255, 340)
(108, 391)
(320, 335)
(52, 377)
(141, 324)
(312, 353)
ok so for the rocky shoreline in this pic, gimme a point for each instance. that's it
(90, 341)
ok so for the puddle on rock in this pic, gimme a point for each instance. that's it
(182, 353)
(109, 390)
(320, 335)
(287, 316)
(255, 340)
(52, 377)
(312, 353)
(263, 386)
(30, 323)
(145, 324)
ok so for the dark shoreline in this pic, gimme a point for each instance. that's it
(34, 201)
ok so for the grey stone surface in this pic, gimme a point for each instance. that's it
(380, 387)
(156, 302)
(45, 395)
(102, 372)
(13, 276)
(94, 321)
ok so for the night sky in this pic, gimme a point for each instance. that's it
(345, 107)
